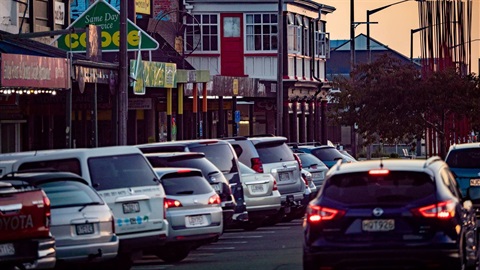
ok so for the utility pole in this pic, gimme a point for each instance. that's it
(352, 66)
(123, 76)
(279, 123)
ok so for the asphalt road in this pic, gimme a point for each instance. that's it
(277, 247)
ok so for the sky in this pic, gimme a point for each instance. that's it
(393, 25)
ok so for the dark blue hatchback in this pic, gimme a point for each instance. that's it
(392, 214)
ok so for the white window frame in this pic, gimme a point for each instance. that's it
(196, 30)
(252, 38)
(294, 34)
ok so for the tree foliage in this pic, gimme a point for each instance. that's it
(393, 101)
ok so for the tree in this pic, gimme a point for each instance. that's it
(378, 97)
(394, 101)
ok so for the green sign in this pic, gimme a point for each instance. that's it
(152, 74)
(103, 14)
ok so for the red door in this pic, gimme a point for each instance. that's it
(232, 44)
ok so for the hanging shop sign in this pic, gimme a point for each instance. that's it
(30, 71)
(142, 6)
(108, 18)
(152, 74)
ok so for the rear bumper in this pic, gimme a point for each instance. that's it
(141, 242)
(423, 258)
(33, 254)
(94, 252)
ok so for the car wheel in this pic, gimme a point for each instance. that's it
(174, 254)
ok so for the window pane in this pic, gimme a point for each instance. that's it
(231, 27)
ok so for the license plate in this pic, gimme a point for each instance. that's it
(475, 182)
(7, 249)
(378, 225)
(317, 175)
(196, 221)
(132, 207)
(254, 189)
(83, 229)
(283, 176)
(217, 188)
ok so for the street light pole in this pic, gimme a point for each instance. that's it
(279, 123)
(370, 12)
(123, 76)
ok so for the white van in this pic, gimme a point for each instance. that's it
(127, 183)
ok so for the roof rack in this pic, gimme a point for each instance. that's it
(234, 138)
(261, 135)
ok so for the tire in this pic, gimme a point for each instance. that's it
(173, 254)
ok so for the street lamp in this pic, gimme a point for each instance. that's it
(370, 12)
(413, 31)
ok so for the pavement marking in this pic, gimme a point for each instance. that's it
(228, 242)
(241, 237)
(213, 248)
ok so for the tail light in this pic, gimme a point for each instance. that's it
(257, 165)
(305, 178)
(214, 199)
(317, 213)
(275, 187)
(441, 210)
(171, 203)
(298, 160)
(46, 205)
(112, 221)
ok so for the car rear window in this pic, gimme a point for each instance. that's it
(64, 165)
(395, 187)
(310, 160)
(122, 171)
(464, 158)
(221, 155)
(186, 185)
(327, 154)
(68, 193)
(274, 152)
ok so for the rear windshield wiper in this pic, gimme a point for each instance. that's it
(90, 203)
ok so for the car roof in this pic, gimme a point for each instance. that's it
(464, 146)
(35, 178)
(413, 165)
(176, 154)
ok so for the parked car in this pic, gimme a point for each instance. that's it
(315, 166)
(261, 195)
(271, 154)
(329, 155)
(25, 237)
(390, 213)
(464, 162)
(213, 175)
(222, 155)
(193, 211)
(125, 180)
(81, 222)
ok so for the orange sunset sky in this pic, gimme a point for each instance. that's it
(393, 24)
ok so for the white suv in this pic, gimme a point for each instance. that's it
(271, 154)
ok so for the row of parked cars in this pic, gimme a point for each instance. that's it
(107, 206)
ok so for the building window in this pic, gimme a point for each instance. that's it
(201, 33)
(306, 36)
(322, 41)
(261, 32)
(294, 32)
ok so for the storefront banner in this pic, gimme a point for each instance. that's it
(30, 71)
(153, 74)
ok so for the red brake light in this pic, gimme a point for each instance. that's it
(298, 160)
(441, 210)
(184, 171)
(171, 203)
(275, 187)
(257, 165)
(316, 213)
(378, 172)
(214, 199)
(305, 179)
(46, 205)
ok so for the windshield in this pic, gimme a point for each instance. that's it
(395, 187)
(111, 172)
(464, 158)
(69, 193)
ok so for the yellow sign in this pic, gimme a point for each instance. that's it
(142, 6)
(235, 87)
